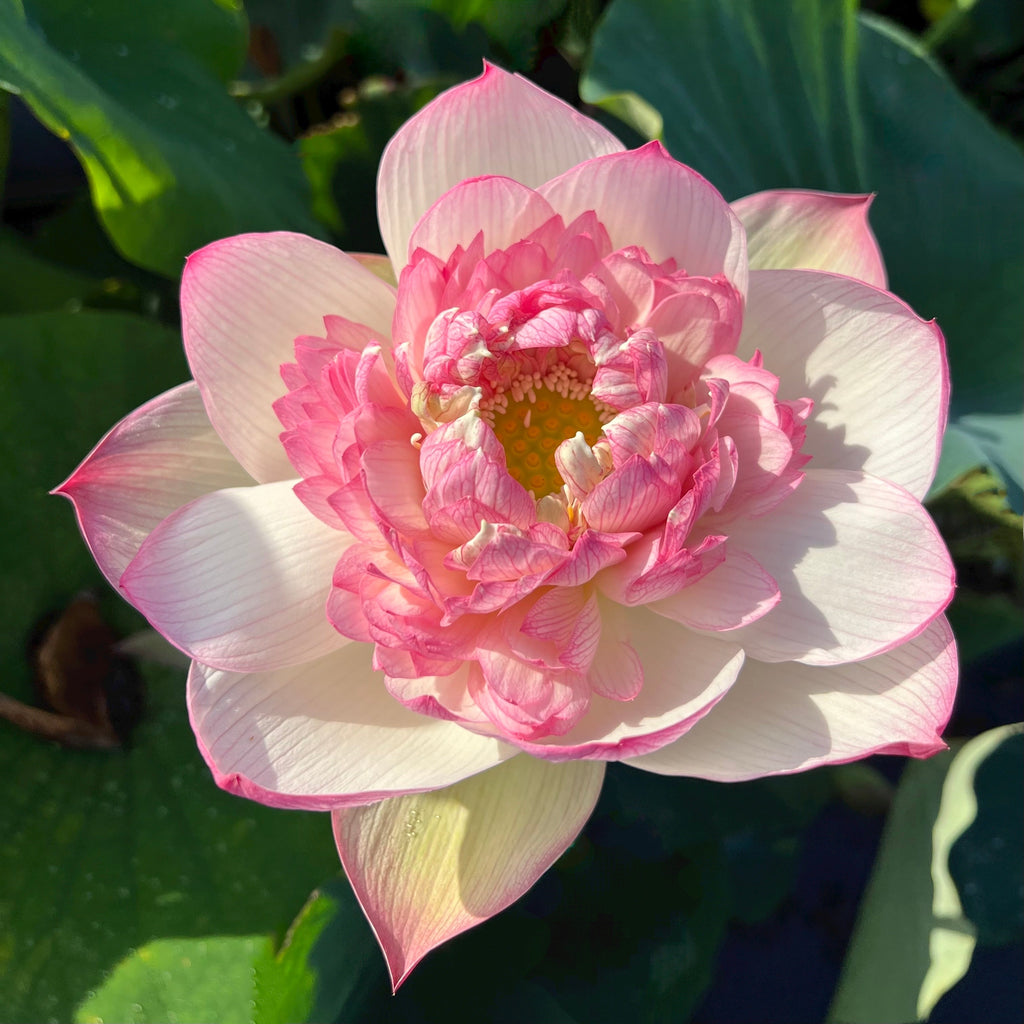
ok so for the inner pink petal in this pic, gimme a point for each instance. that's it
(555, 420)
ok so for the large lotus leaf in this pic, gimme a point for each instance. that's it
(30, 285)
(949, 208)
(757, 95)
(212, 32)
(753, 94)
(104, 852)
(622, 924)
(137, 90)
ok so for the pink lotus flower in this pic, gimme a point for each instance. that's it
(616, 472)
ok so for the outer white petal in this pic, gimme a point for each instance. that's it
(644, 197)
(155, 460)
(860, 565)
(244, 301)
(426, 868)
(734, 593)
(685, 675)
(239, 579)
(812, 230)
(876, 371)
(326, 734)
(786, 718)
(496, 124)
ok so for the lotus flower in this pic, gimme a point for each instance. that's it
(593, 467)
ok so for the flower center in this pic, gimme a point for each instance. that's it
(534, 414)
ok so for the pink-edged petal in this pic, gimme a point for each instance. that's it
(787, 229)
(244, 301)
(786, 718)
(239, 579)
(644, 197)
(393, 484)
(733, 594)
(496, 124)
(616, 671)
(504, 210)
(426, 868)
(700, 320)
(634, 497)
(325, 734)
(155, 460)
(592, 552)
(876, 371)
(684, 675)
(860, 565)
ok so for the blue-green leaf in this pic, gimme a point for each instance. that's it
(755, 95)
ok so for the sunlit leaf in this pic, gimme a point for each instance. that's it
(136, 90)
(913, 940)
(181, 980)
(329, 967)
